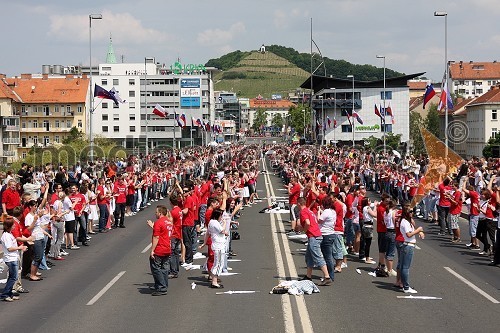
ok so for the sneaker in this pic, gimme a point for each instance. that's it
(343, 265)
(475, 247)
(371, 262)
(15, 298)
(456, 240)
(325, 282)
(21, 290)
(484, 253)
(469, 244)
(158, 293)
(441, 233)
(393, 273)
(410, 290)
(74, 247)
(63, 253)
(7, 299)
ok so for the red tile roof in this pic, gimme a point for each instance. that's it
(417, 85)
(51, 90)
(490, 97)
(475, 70)
(6, 92)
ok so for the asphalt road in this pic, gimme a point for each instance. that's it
(355, 302)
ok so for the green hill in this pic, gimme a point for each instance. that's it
(281, 70)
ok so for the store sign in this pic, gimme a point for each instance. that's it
(367, 128)
(178, 68)
(190, 92)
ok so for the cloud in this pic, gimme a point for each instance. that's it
(124, 28)
(219, 36)
(283, 19)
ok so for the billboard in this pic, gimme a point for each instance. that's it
(190, 91)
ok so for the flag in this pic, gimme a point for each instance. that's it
(429, 93)
(193, 121)
(445, 97)
(100, 92)
(178, 121)
(160, 111)
(389, 112)
(183, 118)
(382, 112)
(334, 123)
(117, 96)
(207, 126)
(199, 122)
(329, 121)
(377, 112)
(358, 117)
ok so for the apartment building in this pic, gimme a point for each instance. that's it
(472, 79)
(9, 120)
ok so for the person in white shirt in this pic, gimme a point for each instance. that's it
(11, 259)
(408, 230)
(326, 220)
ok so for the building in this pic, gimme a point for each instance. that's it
(9, 118)
(333, 98)
(472, 79)
(272, 107)
(48, 107)
(228, 107)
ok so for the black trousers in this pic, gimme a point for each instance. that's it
(187, 237)
(119, 214)
(27, 259)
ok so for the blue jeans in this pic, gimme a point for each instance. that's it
(406, 258)
(327, 250)
(349, 232)
(13, 267)
(175, 245)
(103, 216)
(38, 249)
(159, 269)
(43, 264)
(314, 257)
(390, 239)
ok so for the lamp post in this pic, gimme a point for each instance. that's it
(304, 112)
(385, 127)
(322, 120)
(352, 113)
(445, 14)
(91, 17)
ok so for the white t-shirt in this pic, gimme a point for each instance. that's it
(327, 221)
(389, 223)
(8, 241)
(37, 231)
(366, 214)
(215, 231)
(68, 206)
(407, 227)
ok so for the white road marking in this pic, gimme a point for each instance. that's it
(146, 248)
(106, 288)
(233, 260)
(228, 274)
(301, 304)
(419, 297)
(472, 285)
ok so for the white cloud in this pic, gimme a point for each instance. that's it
(124, 28)
(284, 19)
(219, 36)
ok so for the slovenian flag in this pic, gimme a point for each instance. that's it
(207, 126)
(178, 121)
(183, 118)
(334, 123)
(429, 93)
(160, 111)
(358, 117)
(100, 92)
(117, 96)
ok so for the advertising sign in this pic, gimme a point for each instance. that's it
(190, 90)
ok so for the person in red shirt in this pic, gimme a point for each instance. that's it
(160, 251)
(314, 256)
(120, 194)
(102, 203)
(79, 202)
(444, 206)
(188, 211)
(10, 198)
(473, 215)
(176, 238)
(455, 210)
(18, 234)
(381, 230)
(294, 189)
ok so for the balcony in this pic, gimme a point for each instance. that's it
(11, 141)
(11, 128)
(44, 115)
(8, 153)
(44, 130)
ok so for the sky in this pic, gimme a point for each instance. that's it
(404, 31)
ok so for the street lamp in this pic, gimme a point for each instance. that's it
(385, 127)
(91, 17)
(322, 120)
(304, 112)
(352, 113)
(445, 14)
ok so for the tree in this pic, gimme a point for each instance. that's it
(416, 122)
(259, 120)
(432, 121)
(74, 135)
(492, 148)
(299, 115)
(277, 121)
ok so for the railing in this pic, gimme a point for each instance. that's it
(9, 153)
(11, 140)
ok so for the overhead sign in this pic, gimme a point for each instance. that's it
(178, 68)
(367, 128)
(190, 92)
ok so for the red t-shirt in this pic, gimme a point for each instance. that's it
(160, 230)
(380, 218)
(456, 208)
(177, 221)
(101, 199)
(11, 198)
(190, 204)
(17, 231)
(397, 224)
(121, 190)
(474, 203)
(53, 198)
(307, 214)
(80, 198)
(294, 194)
(131, 188)
(339, 222)
(444, 201)
(349, 199)
(205, 192)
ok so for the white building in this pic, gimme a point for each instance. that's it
(333, 99)
(472, 79)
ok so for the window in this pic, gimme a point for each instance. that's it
(56, 108)
(23, 124)
(46, 125)
(116, 129)
(68, 123)
(104, 82)
(57, 139)
(116, 117)
(35, 140)
(131, 116)
(388, 95)
(131, 93)
(46, 140)
(346, 128)
(79, 109)
(104, 117)
(131, 82)
(23, 155)
(46, 110)
(68, 108)
(80, 124)
(494, 115)
(104, 105)
(115, 106)
(479, 91)
(131, 105)
(57, 124)
(35, 123)
(104, 129)
(494, 132)
(132, 128)
(115, 82)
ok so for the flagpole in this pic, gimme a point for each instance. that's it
(191, 132)
(146, 104)
(445, 14)
(385, 112)
(91, 17)
(334, 116)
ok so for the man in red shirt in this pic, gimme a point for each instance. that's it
(176, 238)
(159, 260)
(455, 210)
(102, 203)
(473, 215)
(10, 198)
(294, 189)
(381, 230)
(79, 201)
(314, 256)
(188, 211)
(444, 206)
(120, 194)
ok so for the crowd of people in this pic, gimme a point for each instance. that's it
(339, 199)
